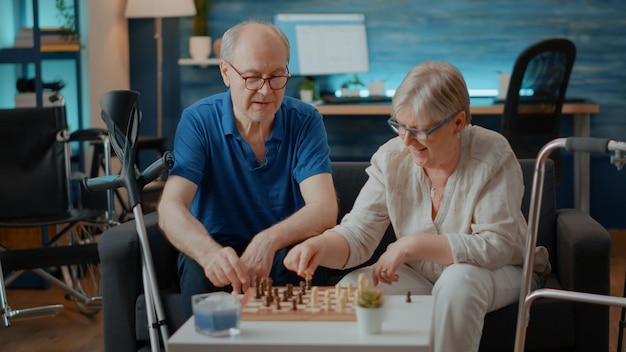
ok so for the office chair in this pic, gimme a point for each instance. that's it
(35, 192)
(532, 108)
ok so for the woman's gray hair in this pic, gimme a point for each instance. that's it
(231, 36)
(432, 90)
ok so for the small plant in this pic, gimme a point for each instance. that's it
(370, 298)
(200, 19)
(68, 21)
(366, 296)
(356, 82)
(308, 83)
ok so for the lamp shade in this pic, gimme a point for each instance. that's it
(159, 8)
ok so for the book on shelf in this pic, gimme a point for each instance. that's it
(51, 39)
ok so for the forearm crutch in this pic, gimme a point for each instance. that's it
(572, 144)
(121, 113)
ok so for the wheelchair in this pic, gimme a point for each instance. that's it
(36, 192)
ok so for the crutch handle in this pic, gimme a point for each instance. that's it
(587, 144)
(101, 183)
(154, 170)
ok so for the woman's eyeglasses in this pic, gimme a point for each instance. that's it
(420, 135)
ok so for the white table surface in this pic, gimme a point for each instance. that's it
(406, 328)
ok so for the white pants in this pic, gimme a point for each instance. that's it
(463, 294)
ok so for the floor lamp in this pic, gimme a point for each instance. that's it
(158, 9)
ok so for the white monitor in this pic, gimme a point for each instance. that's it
(325, 44)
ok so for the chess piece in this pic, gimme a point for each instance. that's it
(294, 304)
(362, 282)
(408, 297)
(327, 299)
(314, 291)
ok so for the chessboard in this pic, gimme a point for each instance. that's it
(290, 303)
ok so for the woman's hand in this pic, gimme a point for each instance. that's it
(305, 257)
(384, 270)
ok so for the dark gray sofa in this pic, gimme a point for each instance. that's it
(579, 250)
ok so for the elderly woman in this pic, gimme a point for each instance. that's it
(452, 193)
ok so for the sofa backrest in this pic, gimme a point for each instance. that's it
(350, 176)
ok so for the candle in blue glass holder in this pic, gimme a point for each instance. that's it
(216, 314)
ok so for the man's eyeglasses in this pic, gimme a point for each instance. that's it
(420, 135)
(256, 82)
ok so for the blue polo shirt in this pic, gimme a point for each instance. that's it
(236, 197)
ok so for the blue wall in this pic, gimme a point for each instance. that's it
(481, 38)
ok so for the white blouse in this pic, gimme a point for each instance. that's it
(480, 213)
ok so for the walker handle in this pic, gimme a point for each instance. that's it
(587, 144)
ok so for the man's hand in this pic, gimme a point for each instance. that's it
(224, 267)
(258, 257)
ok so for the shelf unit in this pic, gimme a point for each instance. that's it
(39, 53)
(201, 63)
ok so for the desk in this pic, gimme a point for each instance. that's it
(582, 126)
(406, 328)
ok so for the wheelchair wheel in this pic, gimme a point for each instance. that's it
(84, 278)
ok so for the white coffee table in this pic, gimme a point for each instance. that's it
(406, 328)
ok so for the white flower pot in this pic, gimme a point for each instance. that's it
(306, 95)
(200, 47)
(369, 320)
(376, 88)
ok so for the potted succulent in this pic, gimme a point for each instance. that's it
(345, 89)
(370, 298)
(200, 41)
(307, 89)
(356, 84)
(369, 303)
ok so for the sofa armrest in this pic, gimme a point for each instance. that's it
(583, 252)
(583, 257)
(121, 277)
(120, 271)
